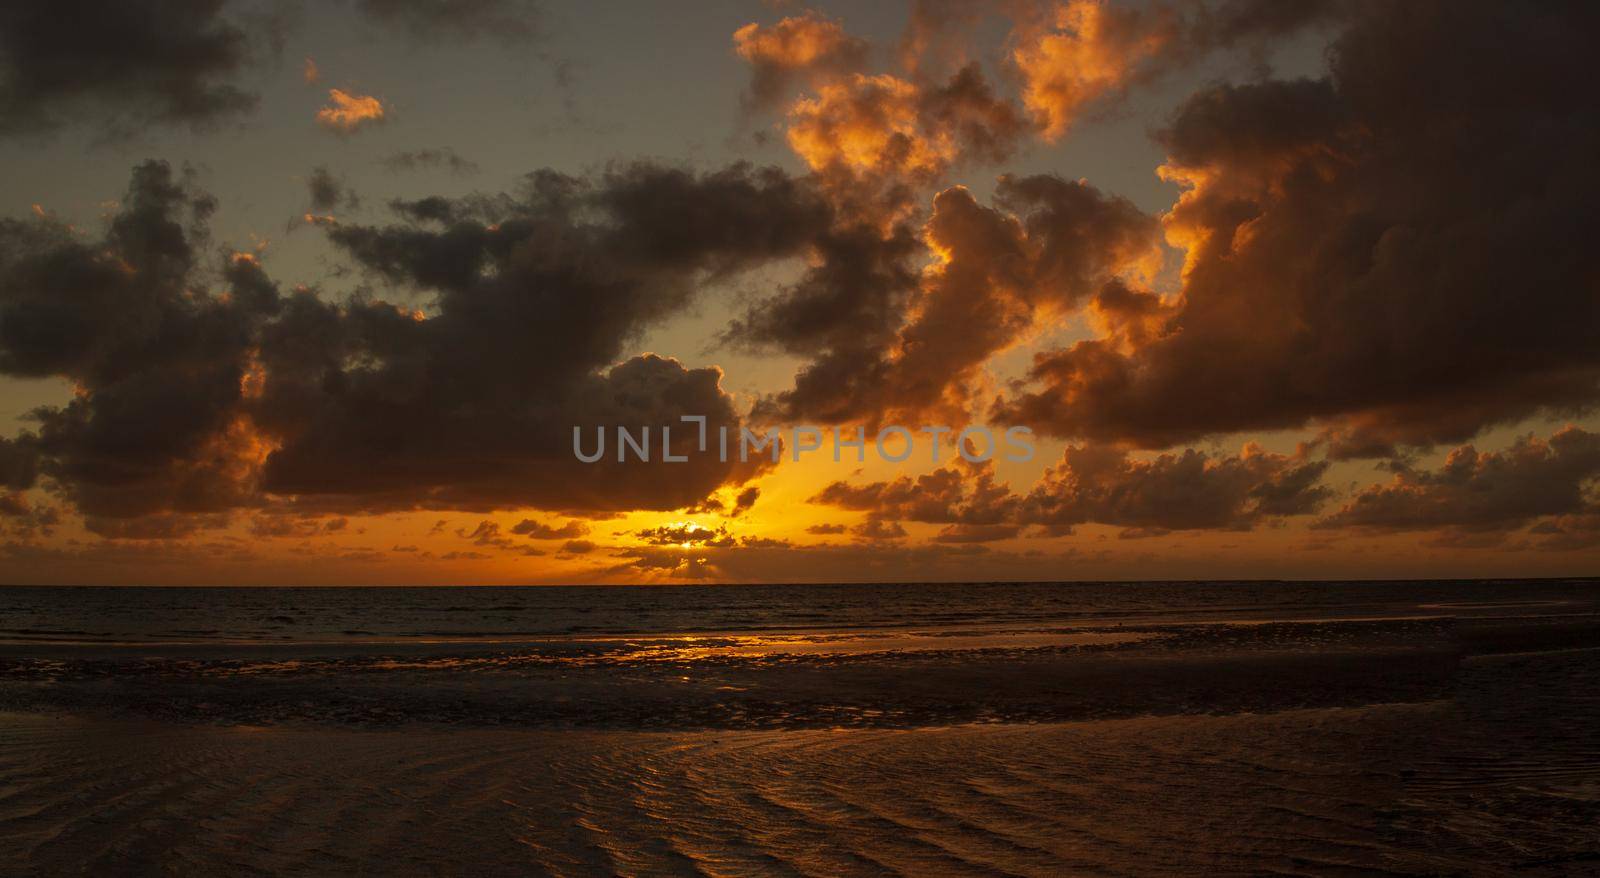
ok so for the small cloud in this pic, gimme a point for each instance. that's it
(537, 530)
(310, 72)
(745, 500)
(686, 535)
(346, 113)
(329, 192)
(877, 529)
(424, 159)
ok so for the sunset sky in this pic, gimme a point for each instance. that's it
(316, 293)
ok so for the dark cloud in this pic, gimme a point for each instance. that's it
(686, 535)
(953, 495)
(876, 529)
(329, 192)
(19, 462)
(488, 535)
(746, 500)
(203, 389)
(976, 533)
(20, 519)
(1394, 252)
(660, 561)
(840, 314)
(427, 159)
(1565, 533)
(1177, 491)
(538, 530)
(290, 526)
(160, 363)
(121, 66)
(155, 526)
(535, 293)
(1097, 485)
(466, 556)
(1487, 491)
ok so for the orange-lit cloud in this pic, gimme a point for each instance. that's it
(1087, 50)
(864, 124)
(347, 113)
(1046, 246)
(805, 47)
(309, 72)
(886, 125)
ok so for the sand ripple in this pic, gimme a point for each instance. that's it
(1474, 785)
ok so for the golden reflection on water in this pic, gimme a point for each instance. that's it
(692, 648)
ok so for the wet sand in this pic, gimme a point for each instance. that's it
(1503, 778)
(752, 682)
(1424, 745)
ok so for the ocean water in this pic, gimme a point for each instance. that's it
(379, 614)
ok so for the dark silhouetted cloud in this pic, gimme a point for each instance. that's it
(427, 159)
(1493, 491)
(538, 530)
(121, 66)
(329, 192)
(1098, 485)
(1190, 490)
(203, 389)
(1384, 252)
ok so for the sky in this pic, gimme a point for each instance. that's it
(299, 293)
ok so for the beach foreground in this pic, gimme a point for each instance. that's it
(1409, 742)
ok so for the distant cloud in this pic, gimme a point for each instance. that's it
(1188, 490)
(347, 113)
(1492, 491)
(875, 529)
(1097, 485)
(310, 73)
(538, 530)
(290, 526)
(329, 192)
(122, 66)
(746, 500)
(686, 535)
(425, 159)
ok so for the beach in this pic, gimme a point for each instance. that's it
(1406, 738)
